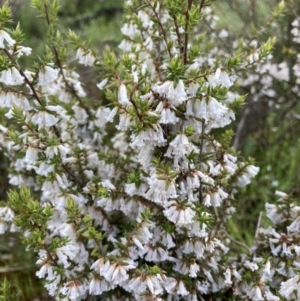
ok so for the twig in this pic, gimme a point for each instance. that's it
(257, 227)
(15, 269)
(240, 128)
(56, 131)
(161, 28)
(178, 35)
(236, 241)
(58, 62)
(254, 245)
(202, 4)
(186, 35)
(201, 158)
(135, 87)
(25, 77)
(197, 77)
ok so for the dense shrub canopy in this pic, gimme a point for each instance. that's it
(127, 193)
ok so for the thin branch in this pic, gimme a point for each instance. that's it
(158, 44)
(134, 104)
(58, 63)
(240, 128)
(28, 82)
(15, 269)
(257, 230)
(202, 4)
(155, 62)
(186, 35)
(56, 131)
(161, 28)
(236, 241)
(74, 177)
(196, 77)
(201, 158)
(178, 35)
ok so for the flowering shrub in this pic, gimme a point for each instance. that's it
(127, 196)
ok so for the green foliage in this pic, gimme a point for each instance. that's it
(17, 271)
(269, 132)
(7, 293)
(100, 22)
(30, 215)
(5, 13)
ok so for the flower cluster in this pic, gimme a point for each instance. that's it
(136, 210)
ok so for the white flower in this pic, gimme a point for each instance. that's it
(112, 114)
(174, 286)
(193, 88)
(130, 30)
(146, 21)
(102, 84)
(126, 45)
(67, 252)
(122, 95)
(154, 253)
(160, 190)
(135, 76)
(215, 198)
(53, 285)
(85, 58)
(31, 155)
(181, 289)
(46, 269)
(273, 213)
(21, 50)
(95, 287)
(44, 119)
(167, 116)
(137, 242)
(74, 290)
(218, 196)
(209, 109)
(291, 288)
(136, 285)
(255, 294)
(251, 265)
(4, 36)
(220, 78)
(115, 273)
(253, 57)
(194, 269)
(176, 95)
(154, 135)
(249, 172)
(281, 194)
(53, 150)
(11, 77)
(47, 75)
(180, 147)
(81, 115)
(215, 109)
(6, 214)
(154, 284)
(179, 215)
(227, 275)
(125, 121)
(270, 297)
